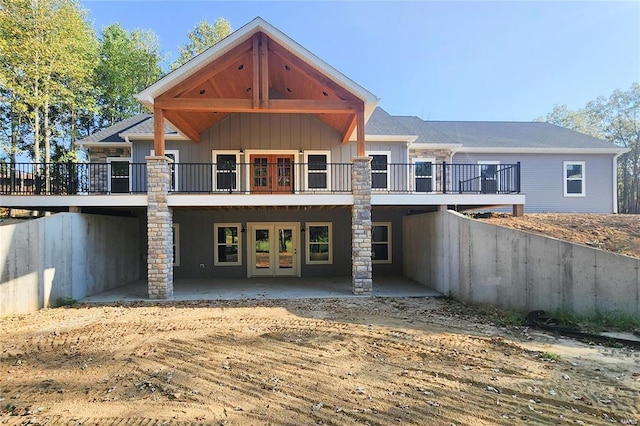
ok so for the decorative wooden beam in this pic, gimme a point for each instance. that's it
(246, 105)
(158, 131)
(264, 71)
(360, 140)
(256, 70)
(183, 125)
(209, 72)
(350, 128)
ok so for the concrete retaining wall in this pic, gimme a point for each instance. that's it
(484, 263)
(65, 255)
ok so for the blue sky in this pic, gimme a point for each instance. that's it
(436, 60)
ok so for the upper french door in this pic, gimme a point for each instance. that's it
(272, 173)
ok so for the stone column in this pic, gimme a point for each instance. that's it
(361, 226)
(159, 229)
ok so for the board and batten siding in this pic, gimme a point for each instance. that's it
(542, 180)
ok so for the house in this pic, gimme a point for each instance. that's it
(262, 160)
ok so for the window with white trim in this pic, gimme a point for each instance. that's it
(227, 250)
(119, 170)
(319, 243)
(574, 178)
(174, 154)
(176, 244)
(225, 172)
(318, 173)
(381, 242)
(379, 169)
(489, 176)
(423, 169)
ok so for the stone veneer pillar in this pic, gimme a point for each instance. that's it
(361, 271)
(159, 229)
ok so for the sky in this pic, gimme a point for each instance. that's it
(496, 61)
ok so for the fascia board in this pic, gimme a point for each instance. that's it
(103, 144)
(148, 136)
(529, 150)
(389, 138)
(449, 146)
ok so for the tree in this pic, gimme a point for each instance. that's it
(128, 63)
(203, 36)
(47, 53)
(617, 120)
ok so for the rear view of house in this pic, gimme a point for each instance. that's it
(261, 160)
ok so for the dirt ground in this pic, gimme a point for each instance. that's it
(350, 361)
(619, 233)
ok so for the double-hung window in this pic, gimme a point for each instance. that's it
(574, 179)
(381, 242)
(319, 243)
(379, 169)
(227, 250)
(423, 174)
(176, 244)
(318, 173)
(226, 171)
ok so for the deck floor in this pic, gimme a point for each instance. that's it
(265, 288)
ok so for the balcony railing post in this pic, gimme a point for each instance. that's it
(518, 177)
(444, 177)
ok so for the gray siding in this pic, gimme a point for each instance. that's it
(542, 181)
(197, 239)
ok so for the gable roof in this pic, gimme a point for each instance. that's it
(257, 68)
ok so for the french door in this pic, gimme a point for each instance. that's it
(271, 173)
(273, 249)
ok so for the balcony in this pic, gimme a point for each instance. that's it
(257, 178)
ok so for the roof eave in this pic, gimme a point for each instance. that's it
(543, 150)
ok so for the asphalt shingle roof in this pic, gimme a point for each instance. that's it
(480, 134)
(138, 124)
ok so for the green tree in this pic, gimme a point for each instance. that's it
(129, 62)
(203, 36)
(48, 53)
(617, 120)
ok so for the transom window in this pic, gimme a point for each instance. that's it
(381, 242)
(228, 244)
(319, 243)
(574, 179)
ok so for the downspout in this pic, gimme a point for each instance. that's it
(615, 183)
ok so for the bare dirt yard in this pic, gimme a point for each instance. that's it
(619, 233)
(374, 361)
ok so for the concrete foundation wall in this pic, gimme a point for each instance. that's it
(65, 255)
(483, 263)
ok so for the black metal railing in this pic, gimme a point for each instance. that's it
(271, 178)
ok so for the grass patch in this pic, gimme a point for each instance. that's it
(599, 321)
(550, 356)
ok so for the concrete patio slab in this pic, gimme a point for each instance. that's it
(265, 288)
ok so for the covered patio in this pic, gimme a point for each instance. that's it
(264, 288)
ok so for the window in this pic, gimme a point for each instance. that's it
(176, 244)
(379, 169)
(174, 154)
(318, 175)
(319, 243)
(489, 177)
(381, 242)
(226, 171)
(119, 180)
(574, 183)
(423, 174)
(228, 244)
